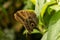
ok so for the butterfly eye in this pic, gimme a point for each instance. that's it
(32, 24)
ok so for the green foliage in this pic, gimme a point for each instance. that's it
(50, 18)
(53, 26)
(29, 5)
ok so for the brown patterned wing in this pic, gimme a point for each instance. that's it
(27, 18)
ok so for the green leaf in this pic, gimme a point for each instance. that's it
(54, 18)
(44, 14)
(34, 31)
(54, 28)
(39, 6)
(33, 1)
(45, 36)
(55, 7)
(45, 7)
(48, 14)
(50, 11)
(29, 5)
(53, 31)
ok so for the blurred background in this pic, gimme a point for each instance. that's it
(10, 29)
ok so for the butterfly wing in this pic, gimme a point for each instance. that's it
(27, 18)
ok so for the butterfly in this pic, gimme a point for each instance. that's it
(27, 18)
